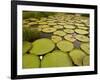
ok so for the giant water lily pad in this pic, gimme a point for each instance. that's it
(85, 47)
(56, 59)
(69, 37)
(32, 23)
(82, 38)
(86, 61)
(30, 61)
(69, 26)
(65, 46)
(49, 30)
(55, 38)
(43, 23)
(42, 46)
(68, 30)
(80, 31)
(77, 56)
(26, 46)
(83, 27)
(59, 33)
(58, 27)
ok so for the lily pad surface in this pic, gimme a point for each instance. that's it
(82, 38)
(65, 45)
(77, 56)
(85, 47)
(80, 31)
(69, 37)
(26, 46)
(56, 59)
(49, 30)
(59, 33)
(68, 30)
(56, 39)
(30, 61)
(86, 61)
(58, 27)
(69, 26)
(42, 46)
(83, 27)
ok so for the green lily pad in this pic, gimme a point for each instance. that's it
(58, 27)
(59, 33)
(56, 59)
(83, 27)
(77, 56)
(32, 23)
(86, 61)
(82, 38)
(26, 46)
(80, 31)
(55, 38)
(43, 23)
(30, 61)
(68, 30)
(69, 37)
(85, 47)
(42, 46)
(69, 26)
(65, 46)
(49, 30)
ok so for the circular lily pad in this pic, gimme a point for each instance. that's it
(43, 23)
(86, 61)
(85, 47)
(69, 26)
(30, 61)
(82, 38)
(32, 23)
(80, 31)
(55, 38)
(58, 27)
(49, 30)
(42, 46)
(83, 27)
(59, 33)
(69, 37)
(56, 59)
(77, 24)
(65, 46)
(68, 30)
(77, 56)
(26, 46)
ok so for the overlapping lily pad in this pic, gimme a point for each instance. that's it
(80, 31)
(49, 30)
(69, 37)
(77, 56)
(26, 46)
(55, 38)
(82, 38)
(30, 61)
(85, 47)
(69, 26)
(65, 46)
(56, 59)
(86, 61)
(68, 30)
(42, 46)
(59, 33)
